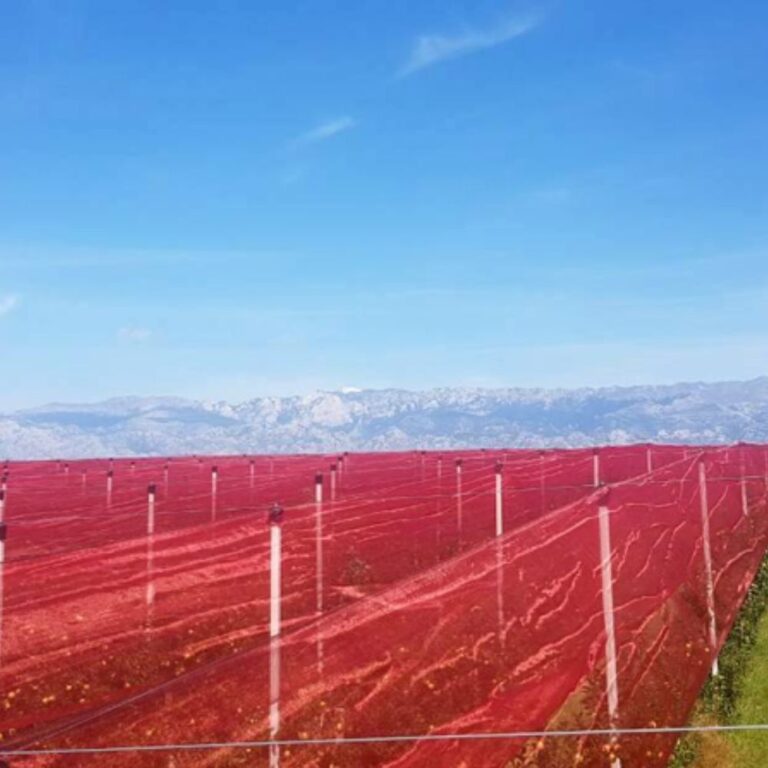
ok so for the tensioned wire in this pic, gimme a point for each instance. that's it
(405, 738)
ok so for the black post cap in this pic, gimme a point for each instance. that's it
(3, 531)
(151, 488)
(275, 515)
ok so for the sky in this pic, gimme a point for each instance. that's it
(236, 199)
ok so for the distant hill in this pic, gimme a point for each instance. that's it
(391, 420)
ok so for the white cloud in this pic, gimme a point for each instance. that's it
(8, 303)
(130, 333)
(431, 49)
(327, 130)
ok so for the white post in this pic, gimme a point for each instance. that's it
(150, 592)
(275, 554)
(133, 467)
(275, 519)
(214, 490)
(439, 467)
(85, 478)
(648, 460)
(708, 566)
(334, 469)
(66, 469)
(459, 499)
(319, 488)
(4, 483)
(3, 536)
(744, 497)
(606, 569)
(596, 468)
(743, 482)
(499, 510)
(319, 604)
(500, 621)
(274, 701)
(252, 474)
(110, 478)
(151, 490)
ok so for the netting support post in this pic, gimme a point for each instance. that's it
(151, 491)
(319, 565)
(459, 500)
(744, 497)
(499, 500)
(319, 488)
(649, 459)
(3, 536)
(596, 468)
(710, 585)
(275, 554)
(606, 571)
(110, 482)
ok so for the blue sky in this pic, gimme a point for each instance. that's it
(225, 200)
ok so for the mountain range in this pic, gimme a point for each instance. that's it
(392, 419)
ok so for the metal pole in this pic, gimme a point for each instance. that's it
(606, 570)
(499, 501)
(151, 491)
(275, 554)
(459, 497)
(710, 586)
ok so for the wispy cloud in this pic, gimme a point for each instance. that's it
(131, 333)
(432, 49)
(327, 130)
(8, 303)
